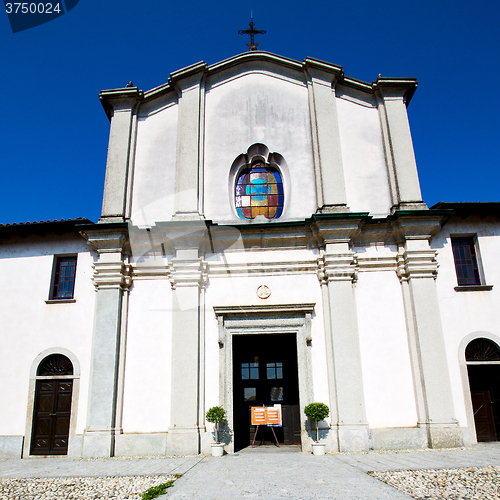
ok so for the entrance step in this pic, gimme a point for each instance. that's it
(271, 449)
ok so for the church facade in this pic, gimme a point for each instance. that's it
(263, 241)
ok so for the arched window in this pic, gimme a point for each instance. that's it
(259, 191)
(482, 350)
(55, 364)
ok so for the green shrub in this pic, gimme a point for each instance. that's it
(215, 415)
(156, 491)
(317, 412)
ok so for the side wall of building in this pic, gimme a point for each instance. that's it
(33, 329)
(471, 313)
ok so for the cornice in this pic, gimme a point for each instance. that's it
(255, 56)
(404, 87)
(245, 269)
(106, 238)
(251, 310)
(120, 99)
(396, 87)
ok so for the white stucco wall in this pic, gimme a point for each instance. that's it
(365, 171)
(463, 313)
(258, 108)
(385, 359)
(30, 326)
(285, 289)
(147, 383)
(154, 171)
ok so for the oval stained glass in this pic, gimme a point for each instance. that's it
(259, 191)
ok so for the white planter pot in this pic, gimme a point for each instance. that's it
(217, 449)
(318, 448)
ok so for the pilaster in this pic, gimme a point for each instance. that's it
(111, 279)
(417, 269)
(393, 94)
(121, 106)
(190, 85)
(337, 273)
(327, 154)
(188, 277)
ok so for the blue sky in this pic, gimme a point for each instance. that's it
(54, 131)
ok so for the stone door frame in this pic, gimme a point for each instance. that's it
(261, 320)
(463, 363)
(73, 451)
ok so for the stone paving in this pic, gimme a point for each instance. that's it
(269, 473)
(478, 455)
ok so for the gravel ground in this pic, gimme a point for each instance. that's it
(81, 488)
(481, 483)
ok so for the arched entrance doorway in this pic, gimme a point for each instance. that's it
(483, 367)
(52, 406)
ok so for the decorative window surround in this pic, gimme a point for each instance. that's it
(274, 162)
(467, 260)
(63, 278)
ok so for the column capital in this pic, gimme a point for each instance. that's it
(187, 272)
(396, 88)
(417, 264)
(337, 267)
(117, 100)
(336, 228)
(416, 225)
(188, 78)
(111, 243)
(323, 73)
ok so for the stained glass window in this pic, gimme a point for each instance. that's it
(259, 191)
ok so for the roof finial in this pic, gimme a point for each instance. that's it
(252, 32)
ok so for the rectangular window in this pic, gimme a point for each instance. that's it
(64, 278)
(249, 371)
(466, 265)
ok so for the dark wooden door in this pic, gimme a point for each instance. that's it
(51, 417)
(483, 415)
(265, 373)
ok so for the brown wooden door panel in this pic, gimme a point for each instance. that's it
(51, 417)
(483, 415)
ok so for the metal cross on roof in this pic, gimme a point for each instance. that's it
(252, 32)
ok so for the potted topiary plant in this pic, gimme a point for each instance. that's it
(317, 412)
(215, 415)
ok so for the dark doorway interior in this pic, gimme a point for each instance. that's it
(265, 373)
(484, 381)
(52, 410)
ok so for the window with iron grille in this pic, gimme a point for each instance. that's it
(64, 278)
(466, 262)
